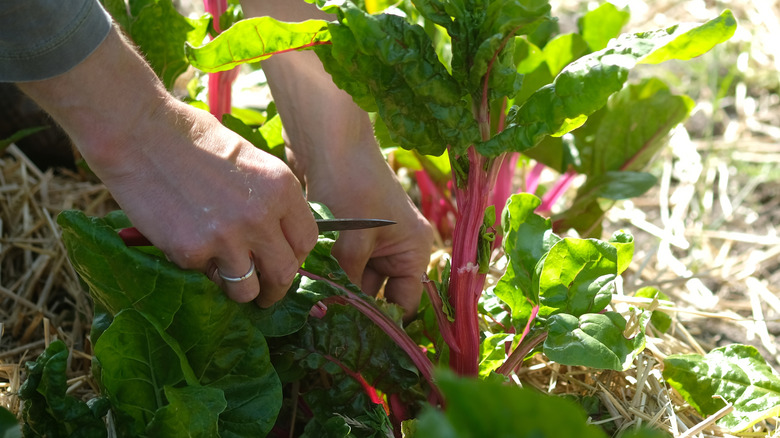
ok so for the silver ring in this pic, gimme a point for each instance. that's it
(246, 276)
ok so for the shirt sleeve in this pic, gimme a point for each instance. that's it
(40, 39)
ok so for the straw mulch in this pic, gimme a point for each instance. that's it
(708, 236)
(41, 297)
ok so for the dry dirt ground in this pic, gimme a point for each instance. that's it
(708, 235)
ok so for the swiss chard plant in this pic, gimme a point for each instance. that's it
(465, 86)
(462, 107)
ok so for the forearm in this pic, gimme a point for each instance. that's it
(102, 99)
(322, 122)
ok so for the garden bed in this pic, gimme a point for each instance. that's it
(708, 236)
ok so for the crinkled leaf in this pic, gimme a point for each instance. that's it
(160, 32)
(47, 410)
(191, 411)
(494, 50)
(585, 85)
(602, 24)
(737, 373)
(256, 39)
(343, 344)
(527, 239)
(577, 277)
(373, 423)
(479, 408)
(390, 66)
(596, 340)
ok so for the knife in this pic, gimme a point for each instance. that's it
(132, 237)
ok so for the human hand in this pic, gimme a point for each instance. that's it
(399, 253)
(213, 202)
(202, 194)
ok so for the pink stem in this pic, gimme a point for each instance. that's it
(445, 327)
(220, 83)
(395, 332)
(532, 180)
(466, 283)
(503, 188)
(369, 390)
(549, 198)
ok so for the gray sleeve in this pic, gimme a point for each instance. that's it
(40, 39)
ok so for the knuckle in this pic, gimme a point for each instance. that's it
(282, 275)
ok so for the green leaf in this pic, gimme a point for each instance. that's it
(659, 319)
(634, 127)
(527, 239)
(477, 408)
(527, 56)
(136, 364)
(624, 242)
(577, 277)
(596, 340)
(437, 167)
(563, 50)
(737, 373)
(343, 344)
(47, 410)
(390, 67)
(18, 135)
(103, 261)
(696, 41)
(585, 214)
(212, 340)
(257, 136)
(9, 425)
(616, 185)
(160, 32)
(492, 50)
(602, 24)
(192, 411)
(492, 353)
(585, 85)
(253, 40)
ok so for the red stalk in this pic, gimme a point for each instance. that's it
(466, 283)
(372, 393)
(532, 180)
(549, 198)
(503, 188)
(445, 327)
(395, 332)
(220, 83)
